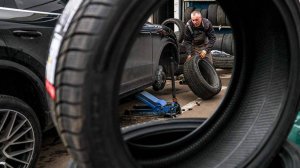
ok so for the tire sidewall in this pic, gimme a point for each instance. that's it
(196, 62)
(180, 26)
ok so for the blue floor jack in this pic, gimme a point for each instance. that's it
(155, 106)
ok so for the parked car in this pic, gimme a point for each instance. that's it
(148, 62)
(149, 59)
(26, 28)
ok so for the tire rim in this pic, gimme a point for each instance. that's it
(17, 140)
(160, 78)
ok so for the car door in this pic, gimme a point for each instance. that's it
(27, 26)
(2, 43)
(138, 71)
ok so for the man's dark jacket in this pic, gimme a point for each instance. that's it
(204, 30)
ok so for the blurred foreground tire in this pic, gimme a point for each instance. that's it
(288, 157)
(90, 46)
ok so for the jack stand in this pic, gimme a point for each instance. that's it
(155, 106)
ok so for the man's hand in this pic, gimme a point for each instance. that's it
(188, 58)
(202, 54)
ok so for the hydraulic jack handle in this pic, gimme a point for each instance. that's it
(173, 80)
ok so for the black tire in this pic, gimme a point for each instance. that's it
(288, 157)
(227, 43)
(182, 48)
(187, 13)
(247, 129)
(219, 42)
(156, 128)
(224, 62)
(72, 164)
(202, 78)
(155, 134)
(26, 123)
(212, 14)
(160, 79)
(221, 17)
(227, 22)
(158, 134)
(233, 46)
(204, 13)
(170, 23)
(180, 70)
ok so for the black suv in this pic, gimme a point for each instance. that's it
(26, 28)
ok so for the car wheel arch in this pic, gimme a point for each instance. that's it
(168, 51)
(17, 78)
(24, 59)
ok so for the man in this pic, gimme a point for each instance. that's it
(199, 37)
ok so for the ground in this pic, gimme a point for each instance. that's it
(54, 153)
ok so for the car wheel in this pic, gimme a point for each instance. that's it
(160, 79)
(20, 134)
(248, 128)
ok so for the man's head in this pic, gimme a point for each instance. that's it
(196, 18)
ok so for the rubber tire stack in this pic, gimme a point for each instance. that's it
(247, 130)
(216, 15)
(224, 42)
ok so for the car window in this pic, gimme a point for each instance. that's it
(55, 6)
(24, 4)
(1, 3)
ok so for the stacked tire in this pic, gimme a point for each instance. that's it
(224, 41)
(187, 13)
(225, 58)
(217, 16)
(189, 10)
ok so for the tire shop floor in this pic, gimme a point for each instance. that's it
(54, 154)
